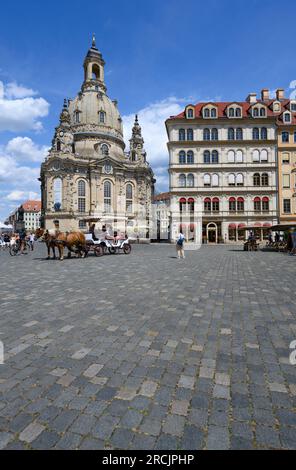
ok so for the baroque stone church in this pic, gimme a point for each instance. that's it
(87, 173)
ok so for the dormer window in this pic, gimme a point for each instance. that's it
(234, 111)
(287, 117)
(190, 113)
(259, 111)
(210, 112)
(276, 106)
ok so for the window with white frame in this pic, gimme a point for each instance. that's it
(57, 193)
(182, 181)
(207, 156)
(129, 198)
(190, 180)
(231, 156)
(81, 196)
(239, 156)
(107, 196)
(231, 179)
(239, 179)
(256, 156)
(182, 157)
(190, 157)
(190, 113)
(264, 155)
(207, 180)
(215, 180)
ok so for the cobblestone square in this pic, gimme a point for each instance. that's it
(148, 351)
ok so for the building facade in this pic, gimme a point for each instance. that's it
(87, 173)
(285, 110)
(32, 214)
(31, 211)
(223, 161)
(162, 216)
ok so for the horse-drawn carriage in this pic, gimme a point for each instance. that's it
(84, 243)
(112, 245)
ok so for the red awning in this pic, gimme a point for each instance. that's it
(215, 199)
(232, 226)
(257, 199)
(241, 225)
(182, 199)
(265, 199)
(207, 199)
(240, 199)
(257, 224)
(266, 224)
(190, 199)
(231, 199)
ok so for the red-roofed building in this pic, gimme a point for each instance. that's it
(223, 164)
(32, 213)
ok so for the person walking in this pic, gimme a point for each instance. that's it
(180, 245)
(31, 241)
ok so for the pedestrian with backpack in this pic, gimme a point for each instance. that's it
(180, 245)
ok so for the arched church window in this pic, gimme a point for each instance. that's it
(81, 196)
(58, 145)
(129, 198)
(107, 196)
(57, 194)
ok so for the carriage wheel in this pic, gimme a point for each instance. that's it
(98, 251)
(127, 249)
(13, 250)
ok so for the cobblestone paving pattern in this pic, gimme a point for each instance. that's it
(148, 352)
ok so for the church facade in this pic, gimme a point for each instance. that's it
(87, 173)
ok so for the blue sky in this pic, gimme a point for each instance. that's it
(160, 54)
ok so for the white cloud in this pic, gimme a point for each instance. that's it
(22, 195)
(23, 148)
(152, 120)
(19, 110)
(15, 195)
(18, 174)
(13, 90)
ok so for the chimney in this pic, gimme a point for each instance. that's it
(252, 98)
(265, 94)
(280, 94)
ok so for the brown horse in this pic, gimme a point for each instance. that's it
(74, 241)
(49, 239)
